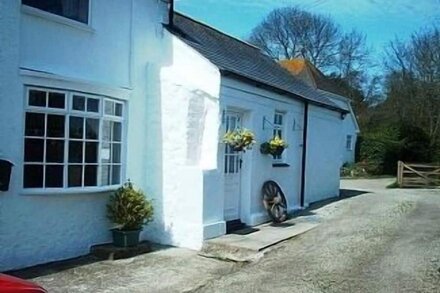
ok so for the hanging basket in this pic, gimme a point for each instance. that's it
(239, 140)
(278, 151)
(267, 149)
(238, 148)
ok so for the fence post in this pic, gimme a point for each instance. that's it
(399, 173)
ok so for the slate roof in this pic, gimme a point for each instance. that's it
(235, 57)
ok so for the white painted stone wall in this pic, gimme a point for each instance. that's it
(256, 104)
(190, 88)
(114, 56)
(349, 127)
(323, 154)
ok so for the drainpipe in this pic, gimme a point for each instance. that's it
(304, 153)
(171, 14)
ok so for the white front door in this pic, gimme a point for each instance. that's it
(232, 170)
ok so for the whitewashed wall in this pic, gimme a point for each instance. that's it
(256, 103)
(190, 88)
(323, 154)
(349, 127)
(113, 56)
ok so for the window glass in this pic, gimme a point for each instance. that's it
(349, 142)
(75, 176)
(37, 98)
(116, 152)
(105, 174)
(33, 150)
(90, 175)
(76, 127)
(118, 109)
(79, 103)
(34, 124)
(109, 108)
(116, 175)
(54, 176)
(117, 131)
(278, 129)
(92, 128)
(57, 100)
(92, 105)
(55, 151)
(61, 141)
(55, 126)
(91, 152)
(33, 176)
(73, 9)
(75, 151)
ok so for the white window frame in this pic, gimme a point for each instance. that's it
(67, 112)
(349, 142)
(30, 10)
(280, 128)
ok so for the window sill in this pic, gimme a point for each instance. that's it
(56, 18)
(68, 191)
(280, 165)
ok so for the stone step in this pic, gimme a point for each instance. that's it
(249, 247)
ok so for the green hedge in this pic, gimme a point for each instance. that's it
(380, 150)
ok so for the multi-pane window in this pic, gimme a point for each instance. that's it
(71, 140)
(73, 9)
(349, 143)
(278, 129)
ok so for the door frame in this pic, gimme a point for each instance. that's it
(240, 114)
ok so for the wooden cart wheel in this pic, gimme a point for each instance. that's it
(274, 201)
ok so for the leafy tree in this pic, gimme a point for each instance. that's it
(413, 82)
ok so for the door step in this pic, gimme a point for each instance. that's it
(234, 225)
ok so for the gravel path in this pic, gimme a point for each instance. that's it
(386, 240)
(374, 240)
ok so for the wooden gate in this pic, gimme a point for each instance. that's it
(418, 175)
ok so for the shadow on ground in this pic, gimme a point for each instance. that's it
(59, 266)
(343, 195)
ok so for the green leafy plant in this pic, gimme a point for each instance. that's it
(129, 209)
(275, 146)
(239, 139)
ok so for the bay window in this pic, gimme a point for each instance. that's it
(77, 10)
(72, 140)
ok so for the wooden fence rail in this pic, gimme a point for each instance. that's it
(418, 175)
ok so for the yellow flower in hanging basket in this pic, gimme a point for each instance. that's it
(277, 142)
(239, 139)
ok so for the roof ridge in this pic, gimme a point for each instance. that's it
(217, 30)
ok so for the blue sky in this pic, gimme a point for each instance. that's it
(380, 20)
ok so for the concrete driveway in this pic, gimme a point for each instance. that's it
(374, 240)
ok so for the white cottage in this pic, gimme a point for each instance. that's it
(101, 91)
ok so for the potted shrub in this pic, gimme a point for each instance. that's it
(239, 139)
(274, 147)
(130, 210)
